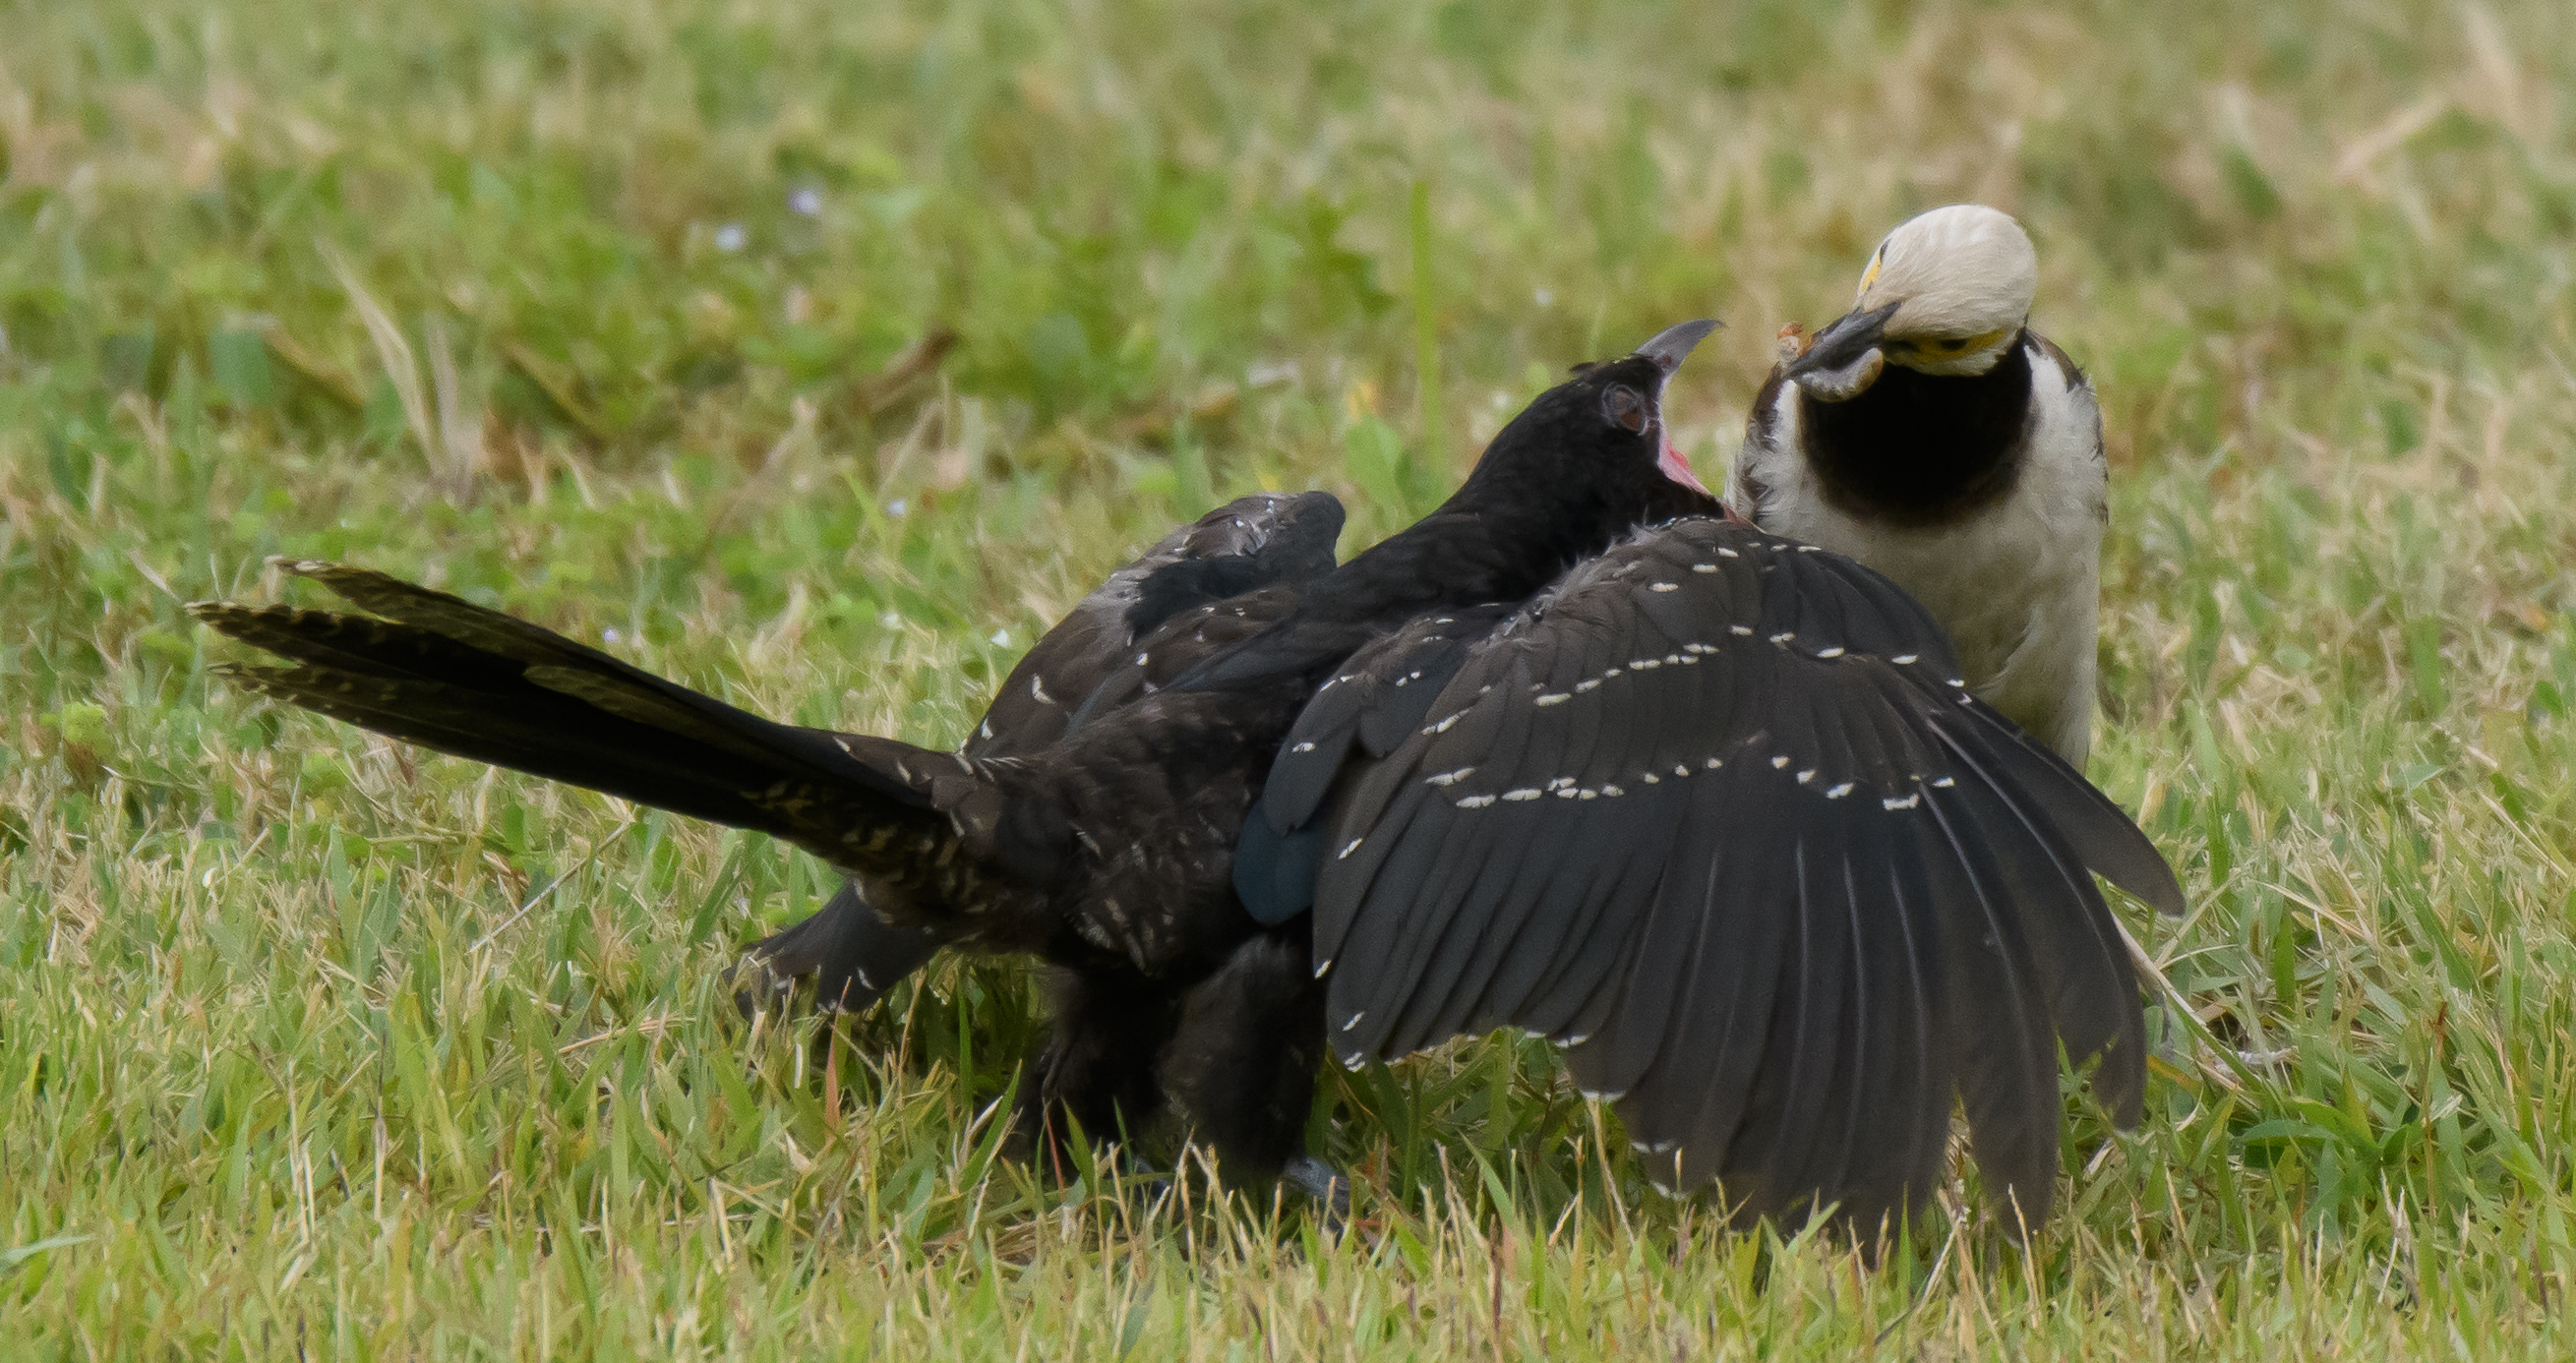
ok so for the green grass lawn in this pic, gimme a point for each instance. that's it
(820, 354)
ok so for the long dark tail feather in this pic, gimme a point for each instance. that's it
(452, 676)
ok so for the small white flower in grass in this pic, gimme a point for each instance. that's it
(731, 237)
(1001, 638)
(610, 636)
(898, 506)
(806, 202)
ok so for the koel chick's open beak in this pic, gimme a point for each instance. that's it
(1845, 358)
(1670, 347)
(1674, 344)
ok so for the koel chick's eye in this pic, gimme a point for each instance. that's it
(1624, 408)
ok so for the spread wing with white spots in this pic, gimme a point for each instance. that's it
(1720, 817)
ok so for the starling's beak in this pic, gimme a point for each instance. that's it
(1669, 348)
(1844, 357)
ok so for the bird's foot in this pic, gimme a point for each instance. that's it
(1324, 1183)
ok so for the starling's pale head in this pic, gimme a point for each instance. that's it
(1944, 294)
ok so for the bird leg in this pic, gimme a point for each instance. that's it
(1242, 1066)
(1097, 1071)
(854, 954)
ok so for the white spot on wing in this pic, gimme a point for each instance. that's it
(1739, 631)
(1944, 783)
(1552, 698)
(1703, 567)
(1834, 652)
(1839, 792)
(1308, 746)
(1902, 659)
(1353, 847)
(1475, 802)
(1524, 793)
(1805, 776)
(1665, 587)
(1908, 802)
(1779, 762)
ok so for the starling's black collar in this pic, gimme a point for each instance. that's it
(1919, 449)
